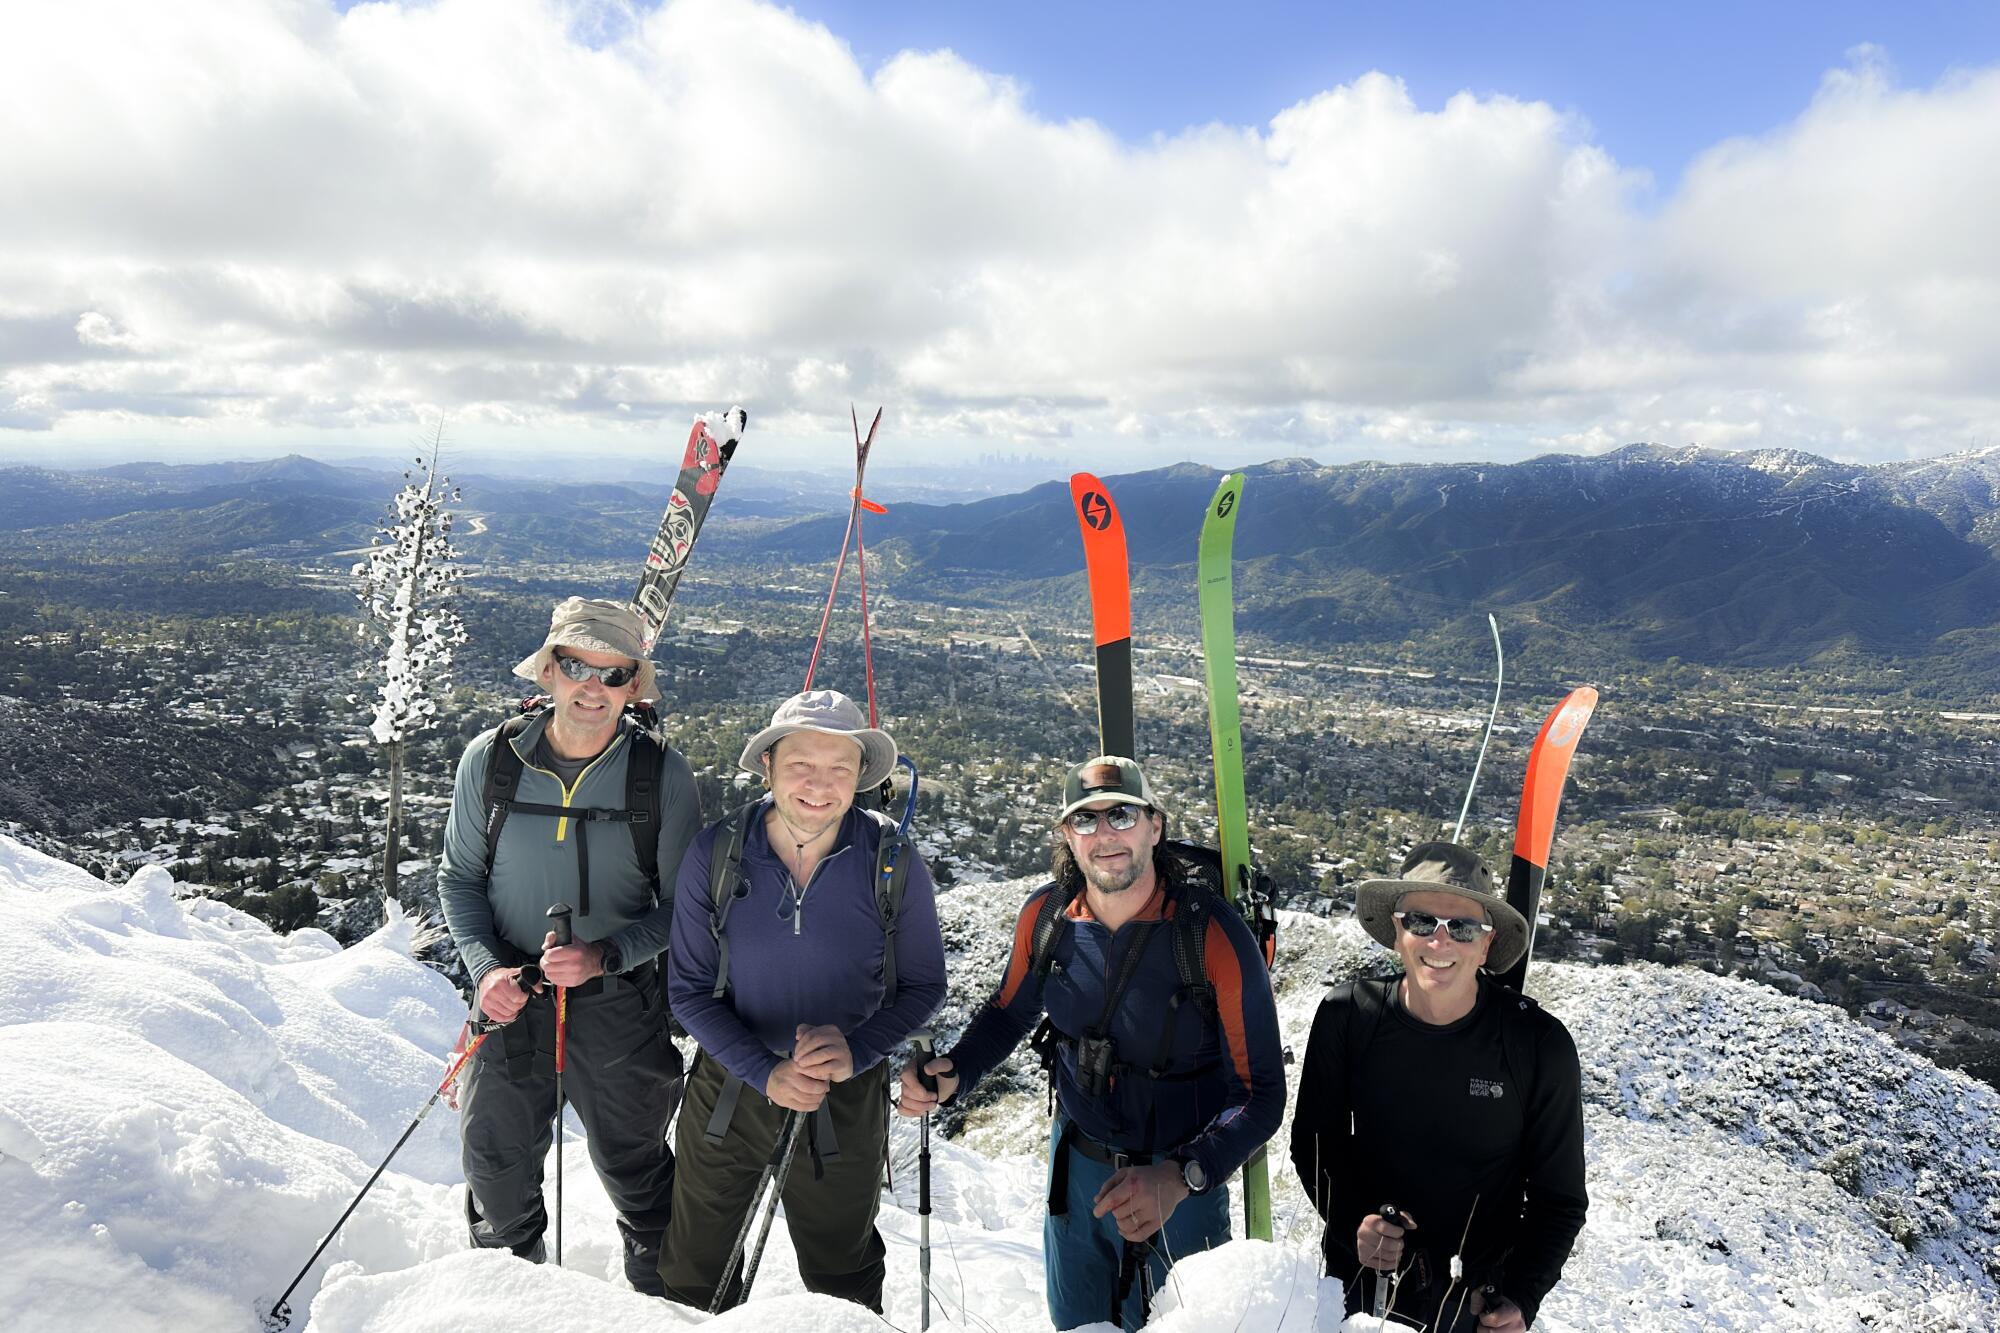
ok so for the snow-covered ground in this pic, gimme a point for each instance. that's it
(188, 1101)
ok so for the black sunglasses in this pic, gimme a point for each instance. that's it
(1464, 929)
(1083, 823)
(579, 670)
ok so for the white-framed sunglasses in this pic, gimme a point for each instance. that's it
(1464, 929)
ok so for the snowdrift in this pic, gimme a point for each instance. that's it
(190, 1100)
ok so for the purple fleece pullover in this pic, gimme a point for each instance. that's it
(828, 971)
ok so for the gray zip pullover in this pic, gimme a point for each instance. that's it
(535, 866)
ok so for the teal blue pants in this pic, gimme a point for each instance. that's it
(1081, 1253)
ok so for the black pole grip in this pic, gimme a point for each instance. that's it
(559, 923)
(926, 1052)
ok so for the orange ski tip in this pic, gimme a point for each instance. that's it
(1548, 767)
(1104, 553)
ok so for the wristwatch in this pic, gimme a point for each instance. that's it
(614, 962)
(1192, 1175)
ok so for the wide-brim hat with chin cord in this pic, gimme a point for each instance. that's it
(830, 713)
(1443, 867)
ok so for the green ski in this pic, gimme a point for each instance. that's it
(1225, 729)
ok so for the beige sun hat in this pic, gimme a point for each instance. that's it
(1443, 867)
(596, 626)
(830, 713)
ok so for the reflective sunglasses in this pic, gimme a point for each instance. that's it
(1423, 925)
(579, 670)
(1083, 823)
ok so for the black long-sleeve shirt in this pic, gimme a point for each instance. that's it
(1437, 1121)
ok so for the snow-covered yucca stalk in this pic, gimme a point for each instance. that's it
(407, 585)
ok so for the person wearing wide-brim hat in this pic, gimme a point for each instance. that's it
(797, 964)
(580, 802)
(1452, 1098)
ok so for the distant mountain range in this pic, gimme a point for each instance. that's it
(1767, 558)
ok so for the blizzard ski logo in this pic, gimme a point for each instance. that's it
(1570, 722)
(1096, 510)
(1480, 1087)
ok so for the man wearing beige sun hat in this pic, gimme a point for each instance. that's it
(582, 803)
(1439, 1124)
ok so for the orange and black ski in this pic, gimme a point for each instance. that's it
(1541, 794)
(1110, 612)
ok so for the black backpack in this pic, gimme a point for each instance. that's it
(642, 792)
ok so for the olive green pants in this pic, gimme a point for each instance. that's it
(830, 1205)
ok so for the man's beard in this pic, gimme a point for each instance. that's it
(1113, 879)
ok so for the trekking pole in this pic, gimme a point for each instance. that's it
(776, 1168)
(560, 924)
(1389, 1214)
(771, 1204)
(925, 1052)
(280, 1316)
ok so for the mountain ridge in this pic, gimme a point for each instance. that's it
(1765, 558)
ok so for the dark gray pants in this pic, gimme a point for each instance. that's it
(829, 1211)
(622, 1075)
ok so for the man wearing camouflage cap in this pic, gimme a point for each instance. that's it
(1439, 1124)
(579, 802)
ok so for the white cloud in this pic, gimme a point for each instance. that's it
(558, 221)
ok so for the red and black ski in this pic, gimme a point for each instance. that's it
(1110, 611)
(708, 454)
(1541, 794)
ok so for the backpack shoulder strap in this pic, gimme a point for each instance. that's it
(1051, 924)
(1366, 1001)
(503, 777)
(1190, 939)
(893, 854)
(1519, 1028)
(642, 799)
(725, 883)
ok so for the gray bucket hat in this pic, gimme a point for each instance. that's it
(596, 626)
(1443, 867)
(1107, 780)
(830, 713)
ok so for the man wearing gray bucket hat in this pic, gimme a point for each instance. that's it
(1440, 1119)
(577, 801)
(805, 950)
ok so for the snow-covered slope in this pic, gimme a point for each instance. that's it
(189, 1101)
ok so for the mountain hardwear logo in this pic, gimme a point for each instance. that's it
(1481, 1087)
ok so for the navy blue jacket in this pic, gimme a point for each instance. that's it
(1224, 1093)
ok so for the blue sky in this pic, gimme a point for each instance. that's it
(1657, 82)
(1125, 232)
